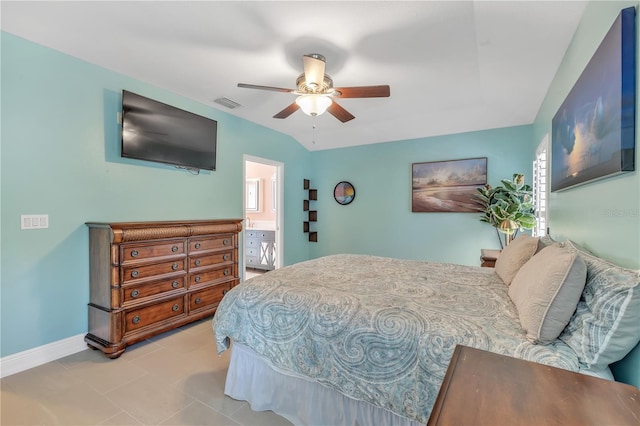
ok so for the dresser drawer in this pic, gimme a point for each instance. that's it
(209, 297)
(252, 261)
(218, 242)
(138, 272)
(209, 275)
(135, 252)
(262, 235)
(203, 261)
(143, 317)
(252, 243)
(252, 252)
(139, 292)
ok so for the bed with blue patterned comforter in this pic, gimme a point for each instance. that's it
(377, 329)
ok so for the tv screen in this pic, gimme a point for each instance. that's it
(158, 132)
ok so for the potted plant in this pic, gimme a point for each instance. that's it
(508, 208)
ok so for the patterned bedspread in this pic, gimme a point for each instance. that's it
(377, 329)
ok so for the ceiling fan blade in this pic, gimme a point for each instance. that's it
(382, 91)
(340, 113)
(273, 89)
(313, 70)
(287, 111)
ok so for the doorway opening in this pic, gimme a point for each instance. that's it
(263, 197)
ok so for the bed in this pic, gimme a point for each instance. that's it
(357, 339)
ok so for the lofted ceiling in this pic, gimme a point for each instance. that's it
(453, 66)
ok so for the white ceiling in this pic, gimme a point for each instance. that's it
(453, 66)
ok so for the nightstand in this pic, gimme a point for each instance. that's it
(481, 387)
(488, 257)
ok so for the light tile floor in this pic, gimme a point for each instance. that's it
(250, 273)
(175, 378)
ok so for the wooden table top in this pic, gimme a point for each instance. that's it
(483, 388)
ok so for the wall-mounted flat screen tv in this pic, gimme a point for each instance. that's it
(154, 131)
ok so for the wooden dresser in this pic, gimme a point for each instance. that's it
(150, 277)
(483, 388)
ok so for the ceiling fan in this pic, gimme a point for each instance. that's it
(316, 92)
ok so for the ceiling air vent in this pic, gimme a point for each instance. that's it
(227, 102)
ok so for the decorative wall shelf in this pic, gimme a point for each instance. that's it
(312, 215)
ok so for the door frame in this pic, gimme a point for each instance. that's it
(279, 206)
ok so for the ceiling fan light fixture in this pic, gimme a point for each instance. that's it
(314, 104)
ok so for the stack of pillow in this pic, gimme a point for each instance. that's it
(544, 285)
(562, 291)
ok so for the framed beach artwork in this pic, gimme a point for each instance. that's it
(447, 186)
(593, 132)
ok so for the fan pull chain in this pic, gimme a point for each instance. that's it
(313, 138)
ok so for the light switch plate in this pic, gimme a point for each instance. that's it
(34, 221)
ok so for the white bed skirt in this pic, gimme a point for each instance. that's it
(253, 379)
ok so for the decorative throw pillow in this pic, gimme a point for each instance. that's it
(605, 327)
(513, 256)
(545, 241)
(546, 291)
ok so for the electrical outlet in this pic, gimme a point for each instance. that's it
(34, 221)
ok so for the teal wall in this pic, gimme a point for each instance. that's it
(602, 216)
(379, 221)
(60, 156)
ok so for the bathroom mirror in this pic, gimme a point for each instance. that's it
(253, 195)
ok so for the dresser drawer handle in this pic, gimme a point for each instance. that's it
(226, 242)
(198, 300)
(224, 291)
(175, 284)
(197, 278)
(197, 262)
(225, 257)
(197, 245)
(226, 272)
(174, 266)
(136, 319)
(174, 249)
(135, 273)
(135, 293)
(175, 307)
(134, 253)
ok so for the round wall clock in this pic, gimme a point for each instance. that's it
(344, 193)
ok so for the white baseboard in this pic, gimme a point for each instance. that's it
(30, 358)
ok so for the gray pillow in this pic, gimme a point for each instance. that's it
(606, 325)
(546, 291)
(514, 256)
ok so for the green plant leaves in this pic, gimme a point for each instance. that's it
(511, 201)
